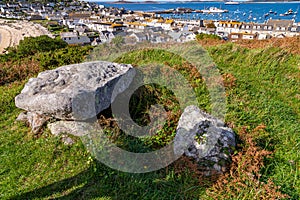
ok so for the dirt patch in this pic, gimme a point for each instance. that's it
(207, 42)
(290, 44)
(245, 171)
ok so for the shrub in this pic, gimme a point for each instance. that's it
(19, 69)
(203, 36)
(65, 56)
(32, 45)
(245, 172)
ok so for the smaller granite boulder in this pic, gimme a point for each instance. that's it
(206, 139)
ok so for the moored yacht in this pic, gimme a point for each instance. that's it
(214, 10)
(232, 3)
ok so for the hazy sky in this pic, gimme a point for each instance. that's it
(147, 0)
(157, 0)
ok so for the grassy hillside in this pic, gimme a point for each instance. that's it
(263, 101)
(266, 92)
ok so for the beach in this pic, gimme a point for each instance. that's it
(11, 32)
(6, 38)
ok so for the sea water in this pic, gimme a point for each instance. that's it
(246, 12)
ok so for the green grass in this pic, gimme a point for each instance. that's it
(266, 92)
(43, 167)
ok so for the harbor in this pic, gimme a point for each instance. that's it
(230, 10)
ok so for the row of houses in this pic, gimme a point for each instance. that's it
(39, 10)
(272, 28)
(260, 31)
(181, 32)
(133, 30)
(153, 35)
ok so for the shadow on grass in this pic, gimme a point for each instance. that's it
(99, 181)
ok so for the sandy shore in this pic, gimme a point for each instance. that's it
(13, 31)
(5, 38)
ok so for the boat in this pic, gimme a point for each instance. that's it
(214, 10)
(237, 11)
(232, 3)
(289, 12)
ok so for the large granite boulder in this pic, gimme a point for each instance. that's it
(73, 92)
(206, 139)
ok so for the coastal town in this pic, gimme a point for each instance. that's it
(150, 99)
(88, 23)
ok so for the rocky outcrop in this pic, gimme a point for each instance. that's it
(205, 139)
(73, 92)
(70, 95)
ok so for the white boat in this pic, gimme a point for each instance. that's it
(289, 12)
(237, 11)
(232, 3)
(214, 10)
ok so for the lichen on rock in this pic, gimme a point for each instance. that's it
(204, 138)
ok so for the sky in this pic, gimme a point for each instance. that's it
(156, 0)
(151, 0)
(147, 0)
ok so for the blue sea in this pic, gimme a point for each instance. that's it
(246, 12)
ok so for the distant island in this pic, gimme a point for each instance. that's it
(132, 2)
(274, 0)
(145, 2)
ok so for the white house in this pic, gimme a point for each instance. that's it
(73, 39)
(227, 27)
(139, 37)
